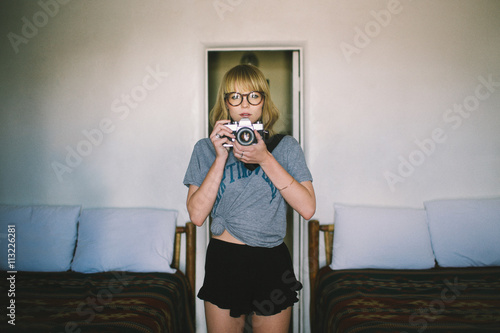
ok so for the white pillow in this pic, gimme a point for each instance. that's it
(125, 239)
(45, 237)
(377, 237)
(465, 232)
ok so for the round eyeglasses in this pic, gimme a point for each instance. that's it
(253, 98)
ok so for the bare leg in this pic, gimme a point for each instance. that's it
(219, 320)
(278, 323)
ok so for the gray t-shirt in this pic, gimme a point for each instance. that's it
(248, 205)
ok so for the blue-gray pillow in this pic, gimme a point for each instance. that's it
(465, 232)
(379, 237)
(45, 237)
(125, 239)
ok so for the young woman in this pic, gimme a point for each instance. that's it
(248, 267)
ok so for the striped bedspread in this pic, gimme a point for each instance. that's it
(103, 302)
(437, 300)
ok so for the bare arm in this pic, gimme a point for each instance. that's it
(200, 200)
(300, 196)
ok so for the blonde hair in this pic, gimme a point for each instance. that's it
(245, 78)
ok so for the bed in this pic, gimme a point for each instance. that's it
(364, 289)
(91, 296)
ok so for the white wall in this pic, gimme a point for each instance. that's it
(372, 88)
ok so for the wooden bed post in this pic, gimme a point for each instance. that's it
(191, 255)
(313, 258)
(314, 229)
(190, 230)
(328, 230)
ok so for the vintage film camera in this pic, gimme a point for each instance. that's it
(244, 132)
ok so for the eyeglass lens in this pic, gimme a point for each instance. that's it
(253, 98)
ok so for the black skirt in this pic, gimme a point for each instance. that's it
(246, 279)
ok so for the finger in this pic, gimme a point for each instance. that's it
(224, 131)
(243, 157)
(222, 123)
(216, 135)
(221, 132)
(237, 150)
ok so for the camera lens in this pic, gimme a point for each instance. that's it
(245, 136)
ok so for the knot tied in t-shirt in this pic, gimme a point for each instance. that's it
(218, 225)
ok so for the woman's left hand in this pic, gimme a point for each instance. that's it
(252, 154)
(300, 196)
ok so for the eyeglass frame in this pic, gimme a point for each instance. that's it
(243, 95)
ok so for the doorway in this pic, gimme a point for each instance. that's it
(276, 66)
(281, 66)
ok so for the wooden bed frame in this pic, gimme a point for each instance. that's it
(154, 301)
(190, 271)
(314, 232)
(341, 304)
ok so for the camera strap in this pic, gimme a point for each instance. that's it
(271, 143)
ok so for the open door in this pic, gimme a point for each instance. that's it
(282, 69)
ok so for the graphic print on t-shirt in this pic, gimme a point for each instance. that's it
(237, 171)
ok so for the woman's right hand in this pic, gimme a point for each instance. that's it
(221, 135)
(201, 199)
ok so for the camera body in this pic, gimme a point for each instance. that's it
(244, 131)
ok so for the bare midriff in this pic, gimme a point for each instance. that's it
(227, 237)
